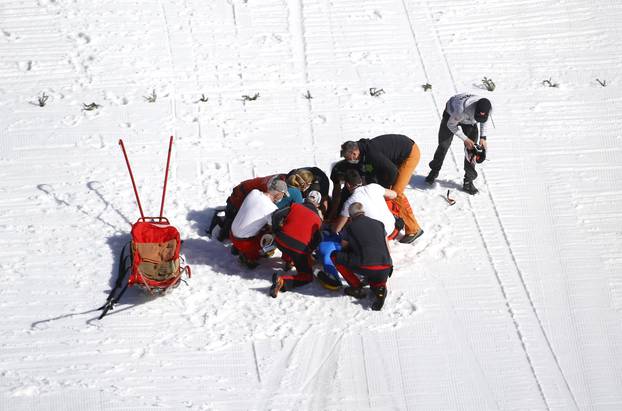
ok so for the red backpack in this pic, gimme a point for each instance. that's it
(154, 261)
(156, 264)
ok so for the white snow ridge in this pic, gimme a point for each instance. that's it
(511, 300)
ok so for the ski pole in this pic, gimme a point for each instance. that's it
(168, 162)
(127, 161)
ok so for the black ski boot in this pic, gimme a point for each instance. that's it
(328, 281)
(380, 293)
(468, 187)
(217, 220)
(225, 229)
(277, 285)
(409, 238)
(251, 264)
(431, 177)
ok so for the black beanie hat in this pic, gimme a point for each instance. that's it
(482, 109)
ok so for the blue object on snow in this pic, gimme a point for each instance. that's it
(330, 242)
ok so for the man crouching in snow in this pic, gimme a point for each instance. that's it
(250, 222)
(365, 252)
(297, 234)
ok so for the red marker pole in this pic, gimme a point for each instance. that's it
(168, 162)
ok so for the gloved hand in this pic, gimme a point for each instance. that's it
(469, 144)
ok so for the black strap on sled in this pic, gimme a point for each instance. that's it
(119, 284)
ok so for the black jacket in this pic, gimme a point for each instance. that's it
(367, 245)
(385, 154)
(338, 172)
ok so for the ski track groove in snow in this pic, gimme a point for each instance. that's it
(573, 321)
(169, 47)
(527, 292)
(444, 339)
(518, 271)
(439, 111)
(296, 23)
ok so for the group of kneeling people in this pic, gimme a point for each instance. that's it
(348, 231)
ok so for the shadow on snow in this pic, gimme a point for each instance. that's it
(217, 255)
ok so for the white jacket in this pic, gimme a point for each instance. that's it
(461, 110)
(255, 212)
(374, 204)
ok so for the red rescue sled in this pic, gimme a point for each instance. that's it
(154, 261)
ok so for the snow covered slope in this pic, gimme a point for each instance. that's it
(511, 300)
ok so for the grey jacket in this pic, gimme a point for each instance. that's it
(461, 110)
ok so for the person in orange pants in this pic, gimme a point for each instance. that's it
(392, 158)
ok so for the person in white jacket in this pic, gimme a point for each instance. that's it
(463, 113)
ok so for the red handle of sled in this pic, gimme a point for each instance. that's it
(127, 161)
(168, 162)
(159, 220)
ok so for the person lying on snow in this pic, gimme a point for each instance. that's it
(253, 220)
(239, 193)
(364, 252)
(297, 234)
(393, 159)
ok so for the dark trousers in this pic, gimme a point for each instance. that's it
(225, 227)
(304, 268)
(445, 136)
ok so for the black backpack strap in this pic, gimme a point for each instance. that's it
(121, 283)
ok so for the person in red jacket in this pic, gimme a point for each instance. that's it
(297, 233)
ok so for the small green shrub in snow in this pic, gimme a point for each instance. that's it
(43, 98)
(376, 92)
(90, 107)
(549, 83)
(246, 98)
(151, 98)
(489, 84)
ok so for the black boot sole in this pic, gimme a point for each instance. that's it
(380, 295)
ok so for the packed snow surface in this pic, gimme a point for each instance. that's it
(511, 300)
